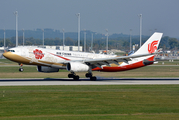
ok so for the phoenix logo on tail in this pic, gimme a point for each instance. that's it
(152, 46)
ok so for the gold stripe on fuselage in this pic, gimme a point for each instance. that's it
(26, 60)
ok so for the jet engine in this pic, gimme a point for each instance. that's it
(147, 62)
(77, 67)
(47, 69)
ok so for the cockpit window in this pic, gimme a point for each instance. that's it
(11, 50)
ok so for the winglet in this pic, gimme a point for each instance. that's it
(158, 51)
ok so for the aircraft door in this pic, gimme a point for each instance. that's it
(24, 52)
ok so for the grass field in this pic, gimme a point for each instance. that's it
(129, 102)
(145, 72)
(90, 102)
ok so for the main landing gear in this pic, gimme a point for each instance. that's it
(76, 77)
(90, 75)
(21, 69)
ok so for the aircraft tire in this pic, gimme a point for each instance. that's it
(21, 69)
(71, 75)
(93, 78)
(76, 77)
(88, 75)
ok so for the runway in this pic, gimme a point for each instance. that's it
(102, 81)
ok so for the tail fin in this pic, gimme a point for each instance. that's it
(151, 45)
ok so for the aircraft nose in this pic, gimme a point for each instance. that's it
(14, 57)
(6, 54)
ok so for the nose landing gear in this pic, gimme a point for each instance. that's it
(21, 69)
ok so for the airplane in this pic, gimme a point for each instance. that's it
(49, 60)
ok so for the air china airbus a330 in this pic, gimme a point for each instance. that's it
(48, 60)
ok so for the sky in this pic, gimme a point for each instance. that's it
(118, 16)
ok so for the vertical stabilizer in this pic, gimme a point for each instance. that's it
(151, 45)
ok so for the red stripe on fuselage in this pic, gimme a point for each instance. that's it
(61, 57)
(123, 68)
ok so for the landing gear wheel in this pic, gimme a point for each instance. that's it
(21, 69)
(71, 75)
(93, 78)
(89, 75)
(76, 77)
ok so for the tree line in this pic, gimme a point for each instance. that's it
(121, 43)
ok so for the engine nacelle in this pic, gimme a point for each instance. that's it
(47, 69)
(147, 62)
(77, 67)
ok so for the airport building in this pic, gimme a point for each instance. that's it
(67, 48)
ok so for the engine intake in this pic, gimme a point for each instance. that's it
(77, 67)
(47, 69)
